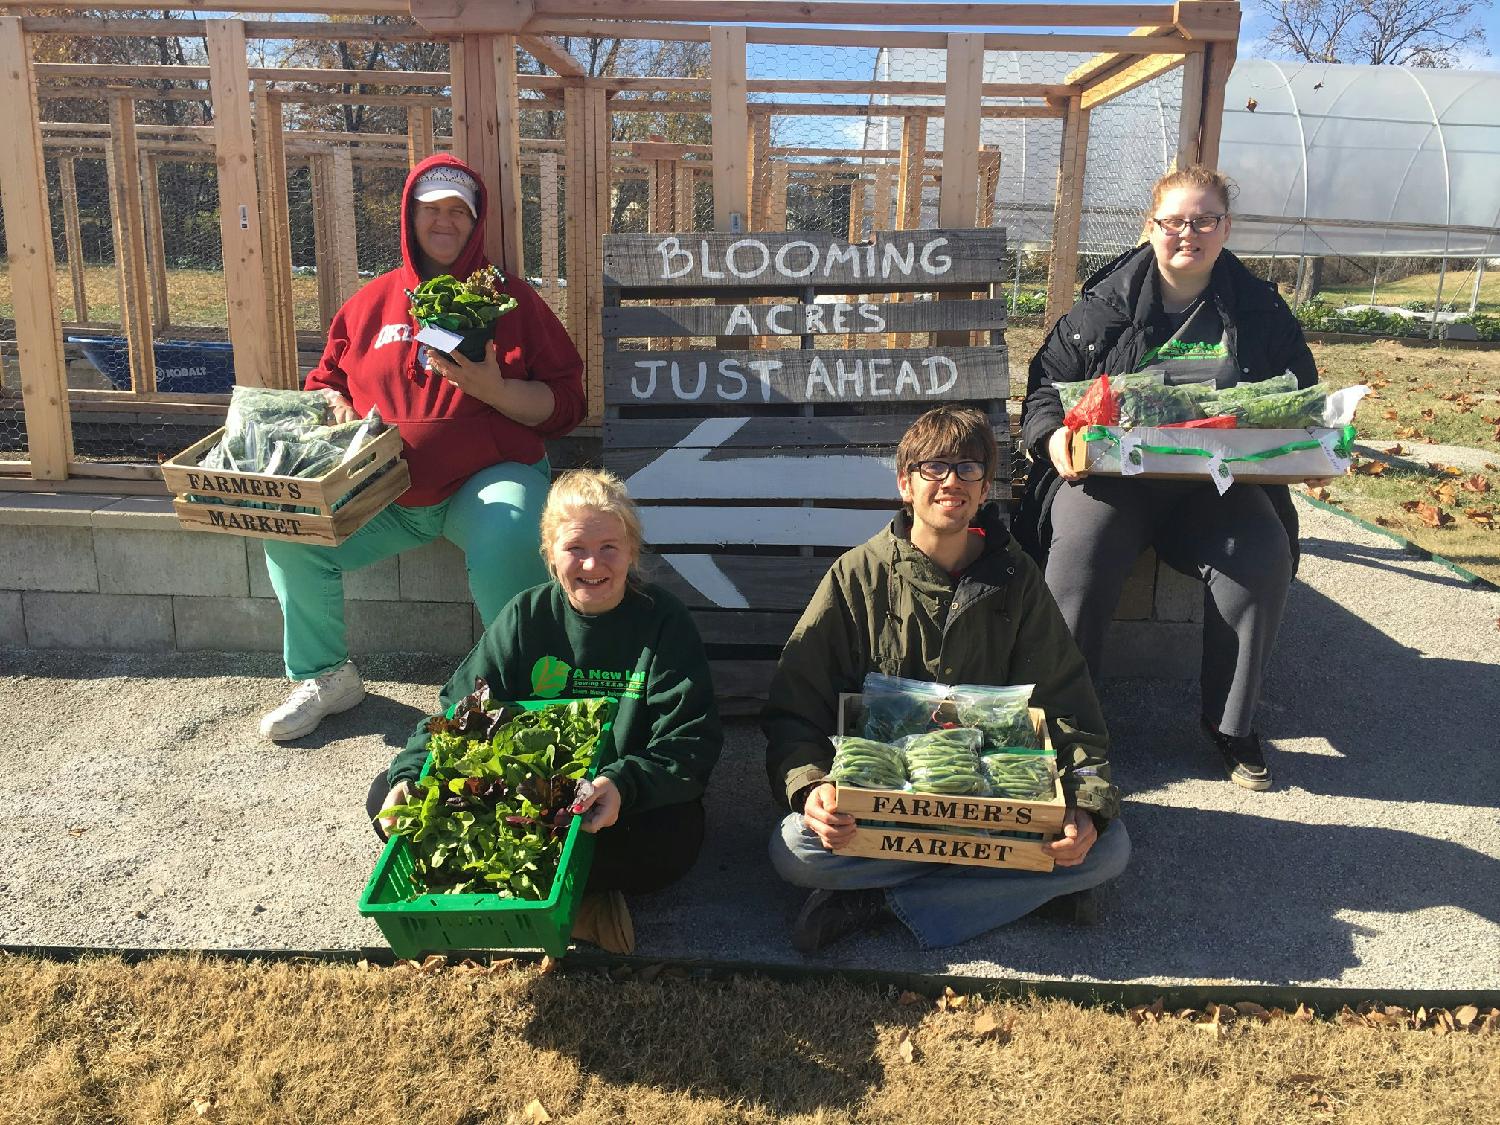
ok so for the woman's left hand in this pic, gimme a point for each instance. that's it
(1078, 835)
(601, 808)
(481, 379)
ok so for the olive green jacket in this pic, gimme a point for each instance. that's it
(886, 607)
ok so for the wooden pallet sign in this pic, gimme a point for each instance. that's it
(753, 406)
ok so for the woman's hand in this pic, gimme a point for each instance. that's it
(1078, 836)
(821, 814)
(527, 401)
(1059, 449)
(341, 408)
(400, 793)
(601, 808)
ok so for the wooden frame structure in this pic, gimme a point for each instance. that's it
(251, 148)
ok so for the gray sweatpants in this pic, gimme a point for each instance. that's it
(1234, 543)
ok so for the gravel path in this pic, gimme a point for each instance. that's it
(1420, 455)
(138, 807)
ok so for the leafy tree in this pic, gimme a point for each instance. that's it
(1376, 32)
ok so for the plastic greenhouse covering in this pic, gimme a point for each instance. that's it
(1353, 160)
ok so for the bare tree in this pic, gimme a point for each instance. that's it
(1376, 32)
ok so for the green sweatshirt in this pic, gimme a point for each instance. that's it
(646, 651)
(886, 607)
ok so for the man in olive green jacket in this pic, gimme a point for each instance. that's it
(944, 595)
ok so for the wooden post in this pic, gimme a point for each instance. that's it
(270, 142)
(127, 219)
(760, 172)
(1068, 211)
(909, 185)
(663, 190)
(419, 139)
(575, 187)
(776, 203)
(1217, 65)
(476, 127)
(548, 194)
(599, 196)
(156, 248)
(731, 127)
(340, 201)
(239, 205)
(687, 196)
(512, 258)
(885, 187)
(1190, 118)
(989, 184)
(958, 190)
(73, 238)
(28, 232)
(856, 229)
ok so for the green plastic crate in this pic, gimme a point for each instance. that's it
(437, 923)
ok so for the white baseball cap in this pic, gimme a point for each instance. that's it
(447, 182)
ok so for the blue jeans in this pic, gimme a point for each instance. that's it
(942, 903)
(493, 518)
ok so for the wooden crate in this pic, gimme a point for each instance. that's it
(219, 501)
(932, 810)
(1103, 457)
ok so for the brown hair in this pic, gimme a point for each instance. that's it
(949, 431)
(1193, 176)
(581, 490)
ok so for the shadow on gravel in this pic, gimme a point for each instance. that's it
(1394, 559)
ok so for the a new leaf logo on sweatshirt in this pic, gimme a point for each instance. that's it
(549, 676)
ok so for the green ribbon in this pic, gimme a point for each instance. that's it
(1344, 447)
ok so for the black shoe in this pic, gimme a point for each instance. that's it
(1081, 908)
(828, 916)
(1243, 760)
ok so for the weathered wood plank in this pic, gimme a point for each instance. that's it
(622, 435)
(891, 375)
(128, 225)
(687, 472)
(745, 627)
(911, 259)
(727, 581)
(762, 527)
(73, 237)
(740, 685)
(788, 318)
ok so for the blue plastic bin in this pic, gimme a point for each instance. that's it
(203, 367)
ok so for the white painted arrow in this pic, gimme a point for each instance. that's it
(684, 472)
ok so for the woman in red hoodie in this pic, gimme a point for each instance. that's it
(473, 433)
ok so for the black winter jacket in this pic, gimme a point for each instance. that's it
(1112, 327)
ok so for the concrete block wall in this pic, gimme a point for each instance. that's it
(100, 571)
(103, 571)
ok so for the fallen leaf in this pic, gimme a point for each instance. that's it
(364, 965)
(1386, 521)
(1304, 1014)
(1485, 517)
(536, 1113)
(1319, 493)
(1213, 1028)
(1451, 396)
(1301, 1079)
(1432, 517)
(434, 963)
(1492, 467)
(1250, 104)
(1466, 1015)
(1428, 413)
(906, 1048)
(1476, 483)
(548, 965)
(205, 1106)
(1252, 1010)
(1396, 450)
(1444, 493)
(986, 1026)
(908, 998)
(1390, 415)
(76, 832)
(1370, 468)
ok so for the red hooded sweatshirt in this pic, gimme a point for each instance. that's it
(371, 359)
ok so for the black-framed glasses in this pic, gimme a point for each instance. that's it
(970, 471)
(1203, 224)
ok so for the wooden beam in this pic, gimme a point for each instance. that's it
(909, 190)
(419, 139)
(191, 28)
(476, 128)
(760, 172)
(989, 185)
(731, 128)
(1215, 80)
(957, 200)
(1208, 19)
(239, 207)
(28, 229)
(156, 249)
(776, 202)
(1127, 78)
(851, 12)
(508, 136)
(1190, 116)
(1068, 211)
(598, 203)
(128, 224)
(687, 190)
(323, 7)
(576, 225)
(270, 150)
(1095, 68)
(341, 203)
(552, 54)
(73, 237)
(548, 202)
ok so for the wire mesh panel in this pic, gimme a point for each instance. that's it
(12, 419)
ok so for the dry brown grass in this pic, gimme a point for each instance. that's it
(178, 1039)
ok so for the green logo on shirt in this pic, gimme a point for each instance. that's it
(549, 676)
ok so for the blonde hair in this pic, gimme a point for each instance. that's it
(1193, 176)
(593, 490)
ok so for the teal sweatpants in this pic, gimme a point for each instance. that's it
(493, 518)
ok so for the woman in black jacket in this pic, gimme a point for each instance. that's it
(1181, 305)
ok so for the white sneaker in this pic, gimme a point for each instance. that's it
(311, 700)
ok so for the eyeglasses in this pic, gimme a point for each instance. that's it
(1203, 224)
(970, 471)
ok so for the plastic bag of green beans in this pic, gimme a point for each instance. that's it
(867, 764)
(1000, 712)
(945, 761)
(1020, 776)
(897, 707)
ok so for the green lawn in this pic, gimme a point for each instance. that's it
(1458, 286)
